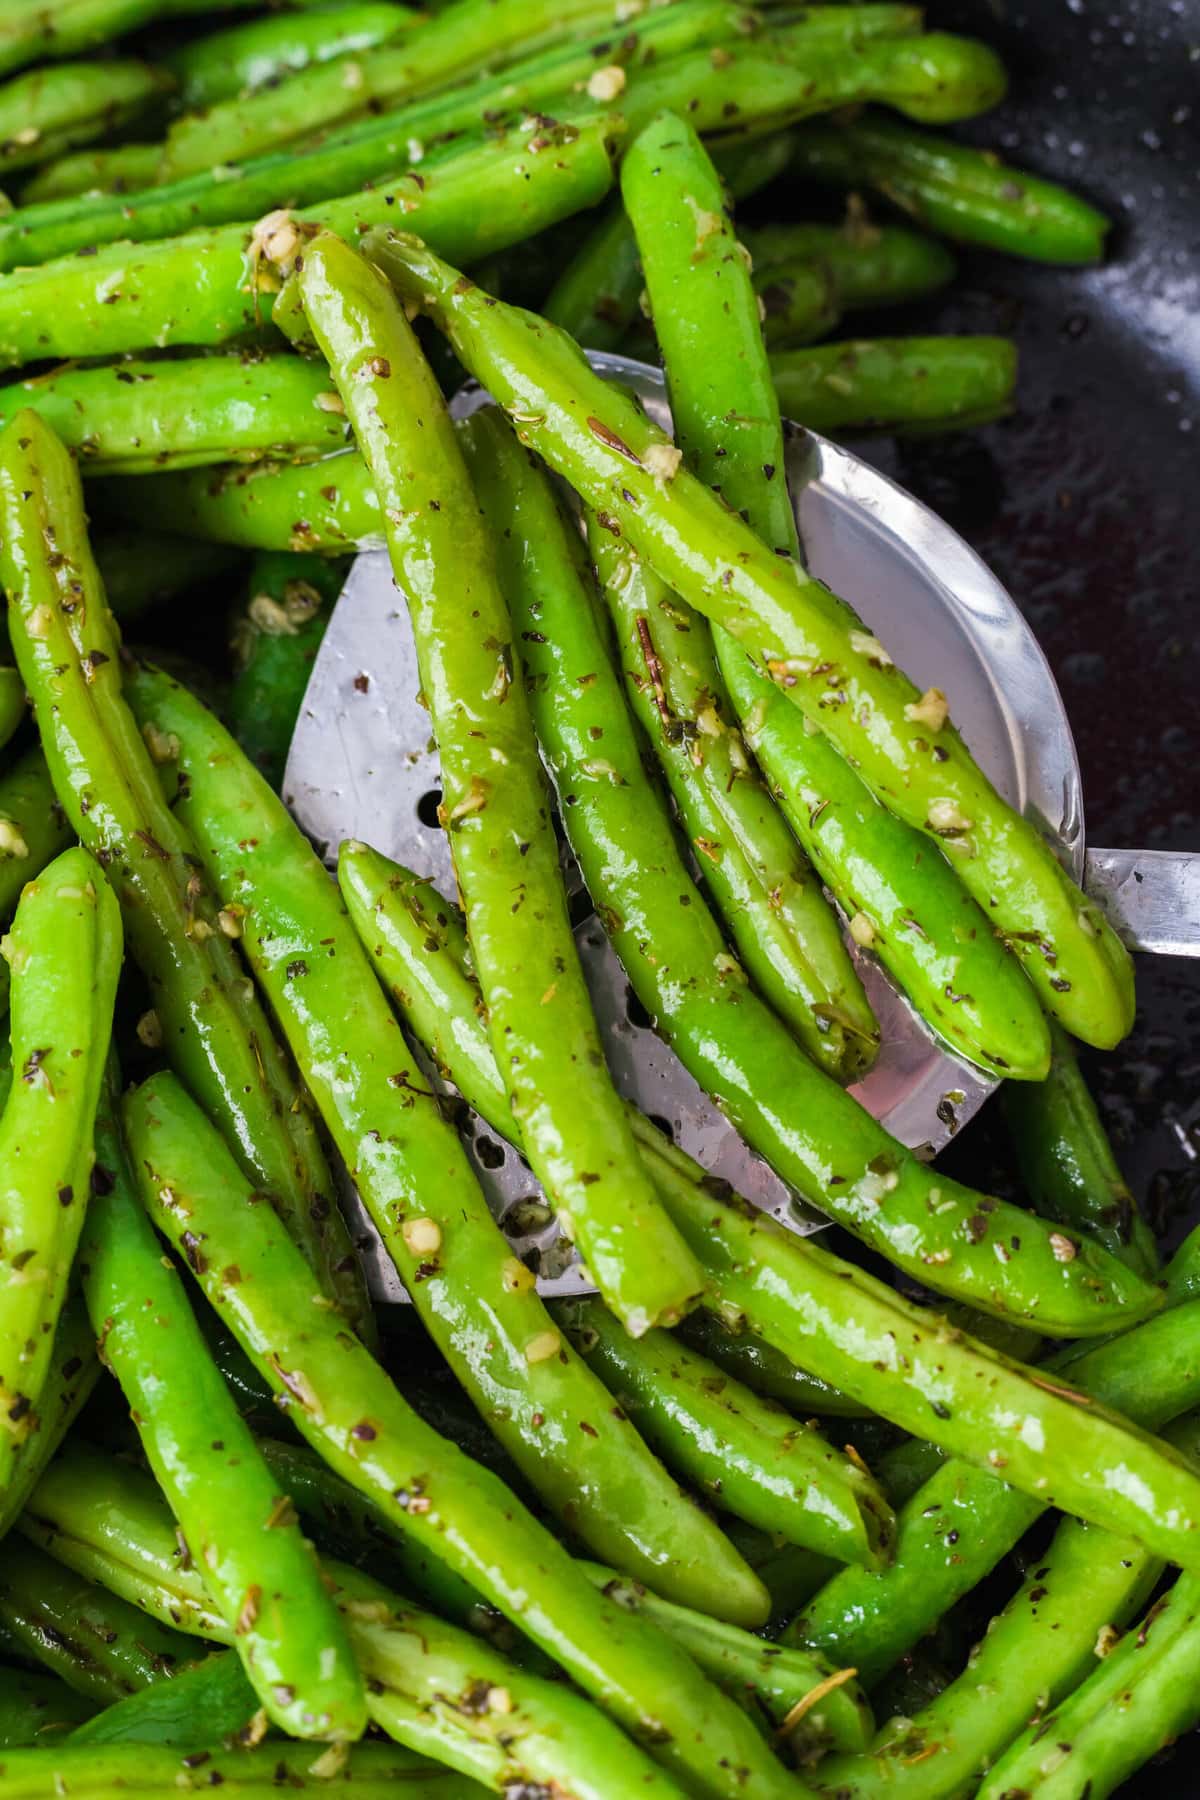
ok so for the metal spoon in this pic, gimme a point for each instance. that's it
(362, 764)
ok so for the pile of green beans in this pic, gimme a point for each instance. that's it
(692, 1532)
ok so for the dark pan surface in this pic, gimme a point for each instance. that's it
(1087, 505)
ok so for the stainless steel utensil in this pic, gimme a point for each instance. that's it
(362, 764)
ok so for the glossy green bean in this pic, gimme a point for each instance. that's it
(64, 950)
(132, 417)
(477, 1710)
(819, 1138)
(930, 1378)
(1142, 1697)
(745, 1455)
(99, 1645)
(208, 286)
(366, 1772)
(906, 900)
(37, 1708)
(123, 170)
(240, 1531)
(961, 1521)
(261, 52)
(277, 630)
(33, 826)
(47, 111)
(431, 1666)
(598, 439)
(344, 1404)
(1080, 1591)
(759, 1367)
(1068, 1169)
(328, 506)
(870, 265)
(969, 195)
(418, 133)
(495, 803)
(105, 1519)
(893, 384)
(72, 1375)
(778, 919)
(471, 36)
(204, 1011)
(549, 1412)
(350, 1525)
(776, 1682)
(64, 27)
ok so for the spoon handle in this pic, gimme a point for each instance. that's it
(1151, 896)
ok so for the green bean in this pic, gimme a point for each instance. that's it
(958, 1525)
(473, 35)
(729, 1040)
(597, 438)
(871, 265)
(353, 160)
(64, 27)
(948, 960)
(350, 1525)
(36, 1707)
(366, 1772)
(495, 805)
(106, 1520)
(550, 1413)
(896, 383)
(776, 1682)
(595, 298)
(49, 110)
(321, 99)
(99, 1645)
(33, 827)
(328, 506)
(924, 1374)
(132, 417)
(140, 569)
(787, 936)
(123, 170)
(1085, 1587)
(767, 90)
(758, 1366)
(263, 51)
(64, 950)
(1142, 1697)
(969, 195)
(203, 1010)
(210, 1703)
(72, 1375)
(789, 1574)
(1068, 1169)
(242, 1534)
(413, 1655)
(348, 1409)
(744, 1454)
(277, 631)
(524, 1728)
(907, 904)
(818, 1138)
(208, 286)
